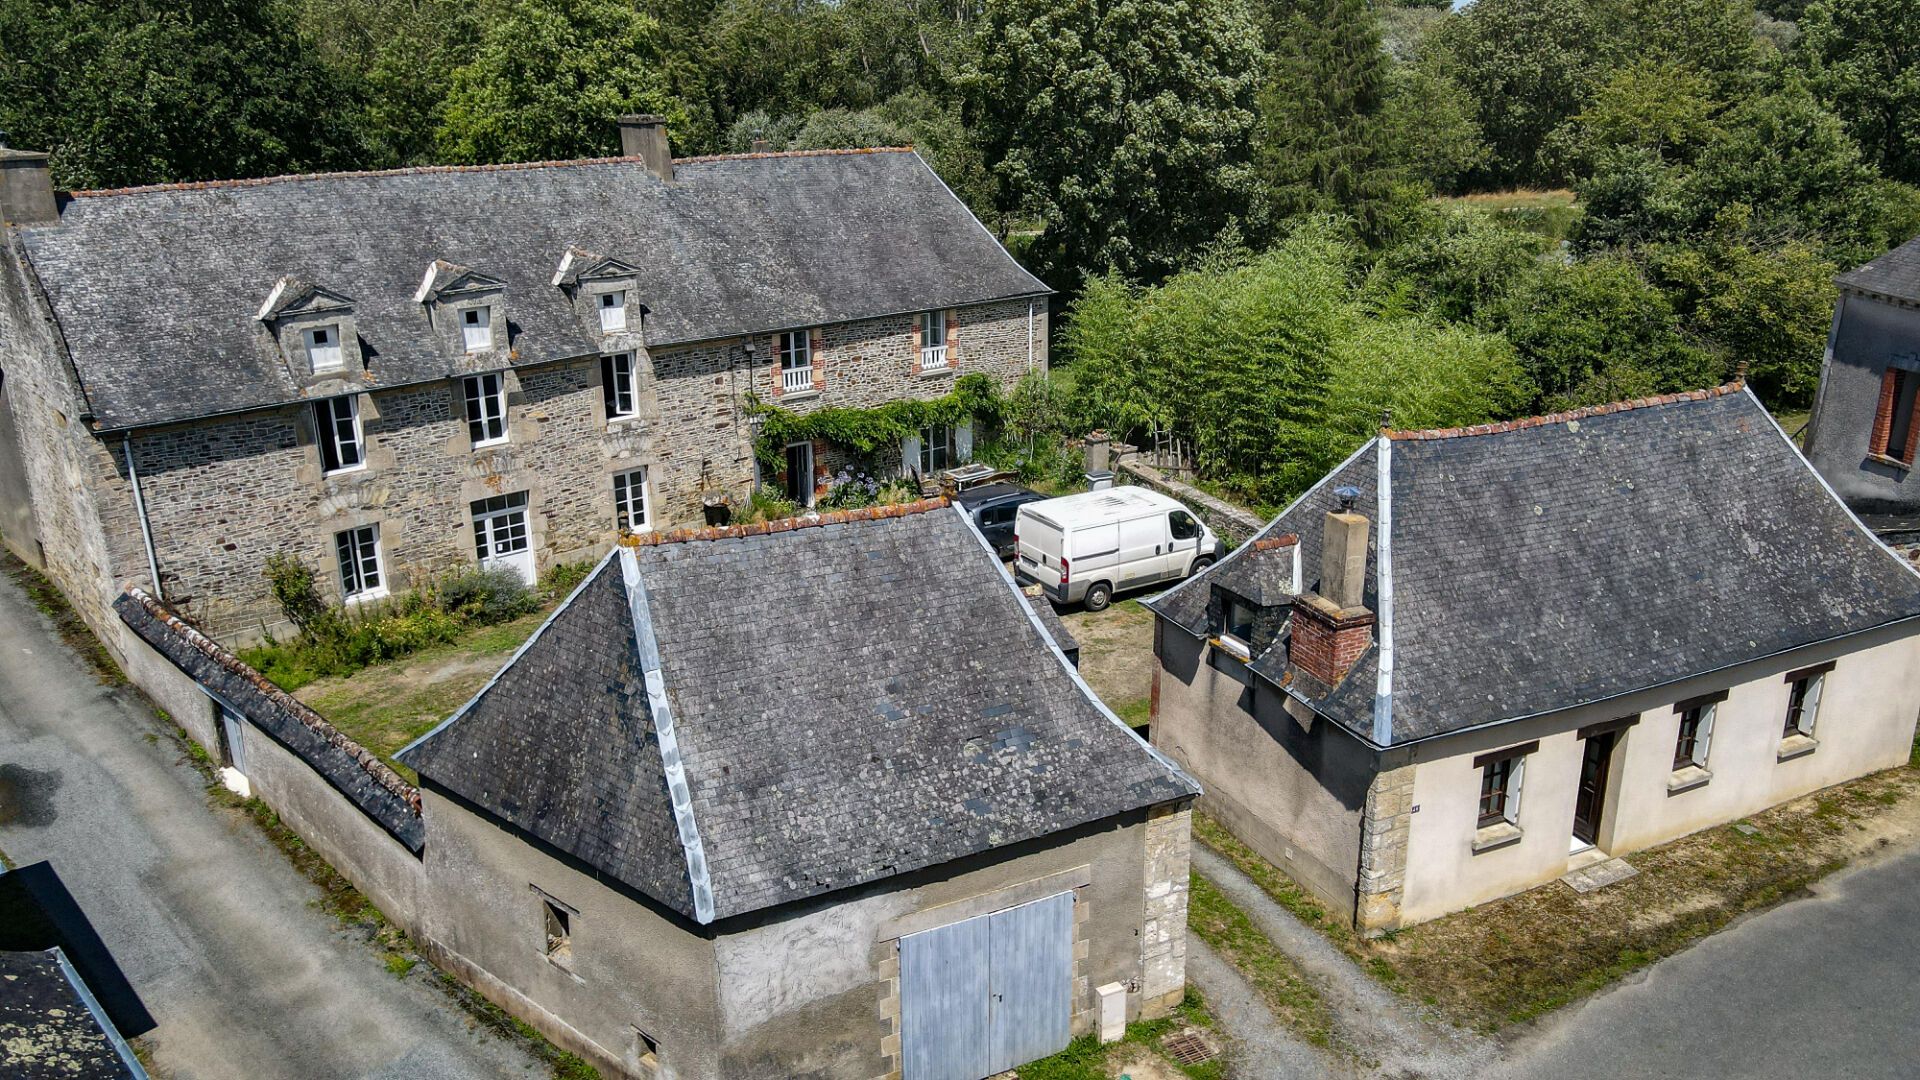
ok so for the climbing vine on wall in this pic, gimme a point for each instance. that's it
(867, 430)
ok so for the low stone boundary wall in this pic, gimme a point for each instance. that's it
(347, 804)
(1234, 524)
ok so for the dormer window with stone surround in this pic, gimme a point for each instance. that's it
(313, 327)
(602, 291)
(465, 307)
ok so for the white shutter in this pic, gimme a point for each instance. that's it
(1513, 790)
(1810, 705)
(909, 454)
(1705, 740)
(963, 441)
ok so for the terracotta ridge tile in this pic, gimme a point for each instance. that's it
(1549, 419)
(790, 524)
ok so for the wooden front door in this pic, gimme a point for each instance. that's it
(1591, 799)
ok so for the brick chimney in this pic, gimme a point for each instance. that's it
(644, 136)
(1332, 627)
(26, 187)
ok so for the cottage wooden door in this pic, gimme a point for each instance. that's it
(988, 994)
(1590, 800)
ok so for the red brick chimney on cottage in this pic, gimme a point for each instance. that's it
(1332, 627)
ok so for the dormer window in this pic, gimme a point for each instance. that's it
(1236, 624)
(613, 311)
(476, 328)
(323, 348)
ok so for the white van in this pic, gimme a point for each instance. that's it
(1087, 547)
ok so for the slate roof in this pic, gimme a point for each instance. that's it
(1895, 274)
(48, 1031)
(364, 779)
(1543, 564)
(156, 289)
(848, 700)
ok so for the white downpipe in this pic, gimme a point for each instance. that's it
(1383, 690)
(1031, 306)
(140, 508)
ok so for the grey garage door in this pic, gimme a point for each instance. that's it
(982, 996)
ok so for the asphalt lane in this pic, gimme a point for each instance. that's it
(218, 933)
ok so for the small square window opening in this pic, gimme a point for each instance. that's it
(613, 311)
(323, 348)
(559, 931)
(476, 328)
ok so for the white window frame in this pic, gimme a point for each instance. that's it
(1703, 736)
(476, 328)
(486, 405)
(950, 443)
(934, 355)
(328, 422)
(1809, 705)
(362, 568)
(796, 361)
(1234, 642)
(485, 512)
(613, 311)
(628, 485)
(617, 371)
(327, 355)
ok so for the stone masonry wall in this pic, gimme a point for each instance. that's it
(1383, 850)
(224, 494)
(1163, 938)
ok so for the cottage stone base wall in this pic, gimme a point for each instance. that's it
(1163, 938)
(1383, 850)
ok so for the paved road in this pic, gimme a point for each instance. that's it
(216, 931)
(1823, 986)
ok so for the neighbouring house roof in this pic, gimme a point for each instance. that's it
(157, 289)
(354, 771)
(733, 719)
(50, 1026)
(1895, 275)
(1541, 564)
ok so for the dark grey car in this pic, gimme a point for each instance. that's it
(993, 507)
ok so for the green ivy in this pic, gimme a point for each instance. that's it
(867, 430)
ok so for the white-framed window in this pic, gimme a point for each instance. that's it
(476, 328)
(1500, 780)
(486, 408)
(323, 348)
(1803, 700)
(936, 448)
(336, 423)
(359, 554)
(613, 311)
(1696, 734)
(1236, 623)
(616, 385)
(500, 527)
(933, 341)
(630, 501)
(796, 361)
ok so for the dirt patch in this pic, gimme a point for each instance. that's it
(1115, 647)
(1516, 959)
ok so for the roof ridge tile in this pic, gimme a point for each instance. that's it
(1550, 419)
(787, 524)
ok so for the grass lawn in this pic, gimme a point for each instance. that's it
(1115, 650)
(1549, 213)
(1139, 1054)
(387, 706)
(1516, 959)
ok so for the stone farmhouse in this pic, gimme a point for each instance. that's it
(1865, 428)
(910, 845)
(1471, 661)
(398, 373)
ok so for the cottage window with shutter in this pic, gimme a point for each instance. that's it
(616, 385)
(358, 551)
(336, 423)
(1500, 790)
(323, 348)
(1803, 704)
(1896, 427)
(1696, 736)
(476, 328)
(486, 409)
(613, 311)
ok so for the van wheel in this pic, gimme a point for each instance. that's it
(1200, 564)
(1099, 595)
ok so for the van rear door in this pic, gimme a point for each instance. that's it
(1040, 543)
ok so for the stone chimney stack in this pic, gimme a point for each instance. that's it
(26, 187)
(1332, 627)
(762, 146)
(644, 136)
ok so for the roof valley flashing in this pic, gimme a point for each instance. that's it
(744, 717)
(1533, 566)
(156, 289)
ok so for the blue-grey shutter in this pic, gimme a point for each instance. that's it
(943, 1003)
(1031, 978)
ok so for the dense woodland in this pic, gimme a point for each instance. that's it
(1269, 220)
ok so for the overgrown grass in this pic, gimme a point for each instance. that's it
(1288, 995)
(1550, 213)
(51, 602)
(1087, 1059)
(1521, 957)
